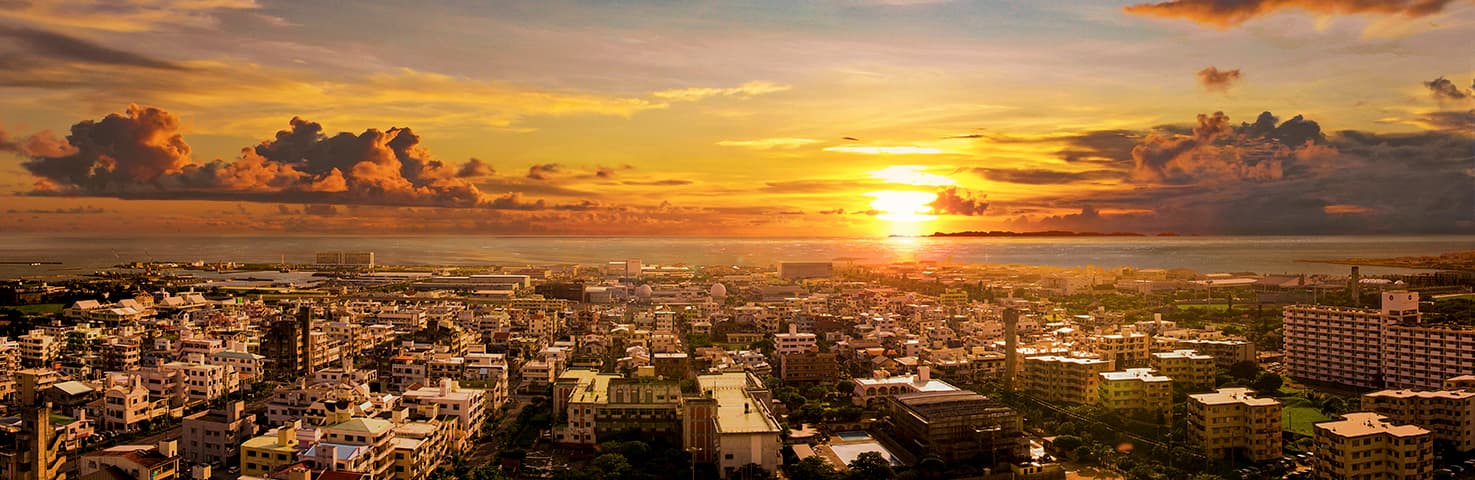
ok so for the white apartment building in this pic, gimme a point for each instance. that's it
(794, 342)
(1343, 345)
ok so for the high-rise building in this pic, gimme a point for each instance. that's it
(1367, 445)
(802, 270)
(1230, 422)
(1137, 389)
(1058, 379)
(1376, 348)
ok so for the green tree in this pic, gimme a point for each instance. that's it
(870, 466)
(845, 387)
(1267, 382)
(613, 465)
(813, 468)
(1068, 443)
(1244, 370)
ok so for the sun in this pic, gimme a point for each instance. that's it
(903, 206)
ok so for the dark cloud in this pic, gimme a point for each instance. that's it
(1229, 13)
(951, 202)
(1217, 181)
(670, 182)
(1035, 176)
(1213, 79)
(84, 210)
(320, 210)
(610, 172)
(1444, 90)
(475, 168)
(51, 46)
(142, 154)
(1459, 122)
(544, 171)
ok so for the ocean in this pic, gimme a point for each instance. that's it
(1262, 254)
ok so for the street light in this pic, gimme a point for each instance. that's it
(693, 451)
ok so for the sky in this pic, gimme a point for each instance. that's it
(737, 118)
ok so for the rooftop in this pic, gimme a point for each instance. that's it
(1366, 423)
(1443, 394)
(1232, 395)
(737, 411)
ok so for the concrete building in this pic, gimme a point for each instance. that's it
(1226, 353)
(802, 270)
(467, 406)
(590, 404)
(127, 404)
(1123, 350)
(737, 427)
(215, 436)
(809, 367)
(37, 349)
(36, 454)
(1422, 356)
(138, 462)
(1343, 345)
(959, 427)
(363, 445)
(1187, 368)
(264, 454)
(1229, 423)
(794, 341)
(1139, 390)
(1059, 379)
(1448, 414)
(1367, 445)
(868, 390)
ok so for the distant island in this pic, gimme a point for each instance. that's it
(1464, 260)
(1045, 233)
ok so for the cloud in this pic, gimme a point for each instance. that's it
(1229, 13)
(951, 202)
(1036, 176)
(1215, 80)
(1214, 150)
(769, 143)
(669, 182)
(37, 45)
(746, 90)
(544, 171)
(123, 15)
(885, 150)
(320, 210)
(1444, 90)
(142, 153)
(475, 168)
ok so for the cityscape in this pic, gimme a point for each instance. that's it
(737, 240)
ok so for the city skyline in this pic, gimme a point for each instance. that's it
(758, 119)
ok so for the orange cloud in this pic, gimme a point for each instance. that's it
(1230, 13)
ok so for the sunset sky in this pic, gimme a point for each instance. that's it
(754, 118)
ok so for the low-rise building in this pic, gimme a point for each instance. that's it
(1230, 423)
(1138, 390)
(1367, 445)
(959, 426)
(1448, 414)
(138, 462)
(1187, 368)
(214, 436)
(1057, 379)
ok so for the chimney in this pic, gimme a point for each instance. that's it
(1356, 287)
(793, 328)
(447, 386)
(1011, 346)
(924, 374)
(1157, 317)
(169, 448)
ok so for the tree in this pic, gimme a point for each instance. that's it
(752, 471)
(613, 465)
(1244, 370)
(813, 468)
(870, 466)
(1267, 382)
(1068, 443)
(845, 387)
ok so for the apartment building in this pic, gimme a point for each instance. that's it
(264, 454)
(38, 349)
(1187, 368)
(958, 426)
(808, 367)
(1367, 445)
(878, 388)
(1123, 350)
(1376, 348)
(596, 404)
(1231, 423)
(214, 436)
(363, 445)
(1058, 379)
(127, 404)
(1448, 414)
(467, 406)
(139, 462)
(419, 448)
(1225, 352)
(740, 428)
(1343, 345)
(794, 342)
(1422, 356)
(1139, 390)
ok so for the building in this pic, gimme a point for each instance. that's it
(809, 367)
(958, 426)
(803, 270)
(286, 344)
(36, 451)
(127, 404)
(1123, 350)
(138, 462)
(732, 425)
(1342, 345)
(590, 404)
(215, 436)
(1138, 390)
(1187, 368)
(37, 349)
(794, 342)
(1367, 445)
(344, 259)
(1448, 414)
(363, 445)
(1057, 379)
(874, 389)
(1229, 423)
(467, 406)
(265, 454)
(1388, 347)
(1226, 353)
